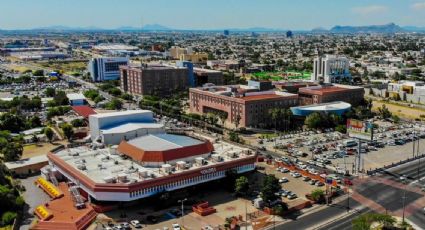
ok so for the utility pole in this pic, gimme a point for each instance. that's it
(413, 142)
(348, 196)
(404, 200)
(182, 202)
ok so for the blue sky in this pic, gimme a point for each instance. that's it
(210, 14)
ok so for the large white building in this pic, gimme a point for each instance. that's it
(331, 69)
(147, 165)
(112, 128)
(106, 68)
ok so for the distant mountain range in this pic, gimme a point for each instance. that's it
(388, 28)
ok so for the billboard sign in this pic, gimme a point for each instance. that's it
(360, 129)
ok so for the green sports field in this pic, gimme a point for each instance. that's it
(282, 75)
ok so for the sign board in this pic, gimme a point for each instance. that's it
(206, 171)
(360, 129)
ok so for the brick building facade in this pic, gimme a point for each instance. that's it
(330, 93)
(153, 79)
(251, 108)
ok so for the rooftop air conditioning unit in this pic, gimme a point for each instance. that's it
(81, 167)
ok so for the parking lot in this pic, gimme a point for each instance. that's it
(295, 184)
(333, 151)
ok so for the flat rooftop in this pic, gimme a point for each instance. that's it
(26, 162)
(120, 113)
(106, 163)
(326, 106)
(243, 92)
(163, 142)
(75, 96)
(328, 89)
(127, 127)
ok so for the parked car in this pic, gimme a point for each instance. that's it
(283, 180)
(176, 227)
(319, 184)
(312, 182)
(136, 223)
(306, 178)
(292, 196)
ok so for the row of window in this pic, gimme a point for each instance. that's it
(186, 182)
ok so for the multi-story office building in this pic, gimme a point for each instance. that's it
(330, 93)
(106, 68)
(157, 80)
(195, 58)
(176, 52)
(331, 69)
(203, 76)
(244, 105)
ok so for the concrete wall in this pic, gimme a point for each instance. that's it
(116, 138)
(97, 123)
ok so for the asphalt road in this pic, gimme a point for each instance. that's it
(316, 218)
(387, 196)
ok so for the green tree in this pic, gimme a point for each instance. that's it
(280, 209)
(237, 121)
(127, 97)
(383, 112)
(223, 116)
(115, 92)
(11, 151)
(38, 73)
(60, 98)
(242, 185)
(114, 104)
(34, 122)
(8, 217)
(12, 122)
(317, 194)
(49, 133)
(313, 120)
(396, 119)
(50, 92)
(270, 187)
(78, 123)
(364, 221)
(67, 130)
(275, 114)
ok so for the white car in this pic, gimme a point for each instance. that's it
(283, 180)
(296, 175)
(136, 223)
(176, 227)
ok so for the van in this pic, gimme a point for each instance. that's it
(350, 143)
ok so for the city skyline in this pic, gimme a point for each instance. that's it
(191, 14)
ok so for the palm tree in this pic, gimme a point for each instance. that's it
(237, 121)
(275, 114)
(287, 113)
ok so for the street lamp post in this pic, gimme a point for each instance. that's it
(404, 202)
(182, 202)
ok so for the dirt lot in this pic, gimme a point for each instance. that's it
(401, 111)
(33, 150)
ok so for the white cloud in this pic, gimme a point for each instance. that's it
(418, 6)
(372, 9)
